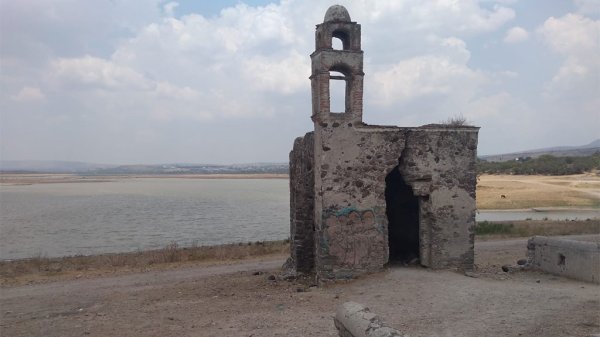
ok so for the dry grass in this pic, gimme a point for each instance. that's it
(582, 190)
(458, 120)
(526, 228)
(41, 267)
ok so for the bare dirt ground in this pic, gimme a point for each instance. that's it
(241, 300)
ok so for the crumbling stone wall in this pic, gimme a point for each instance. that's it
(350, 169)
(302, 204)
(349, 162)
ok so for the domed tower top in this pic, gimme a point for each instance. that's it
(337, 63)
(337, 13)
(337, 24)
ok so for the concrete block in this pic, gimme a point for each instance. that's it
(579, 260)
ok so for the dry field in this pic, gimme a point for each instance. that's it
(521, 192)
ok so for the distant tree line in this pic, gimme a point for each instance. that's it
(545, 165)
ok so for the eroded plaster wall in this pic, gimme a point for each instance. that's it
(351, 163)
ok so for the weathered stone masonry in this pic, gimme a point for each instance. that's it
(363, 196)
(302, 201)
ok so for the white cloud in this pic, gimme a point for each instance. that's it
(37, 30)
(106, 87)
(167, 89)
(573, 89)
(422, 76)
(591, 7)
(445, 16)
(516, 35)
(577, 39)
(500, 105)
(246, 55)
(96, 71)
(506, 74)
(285, 76)
(507, 123)
(444, 73)
(138, 69)
(169, 8)
(28, 94)
(571, 34)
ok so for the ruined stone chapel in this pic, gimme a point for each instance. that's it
(363, 196)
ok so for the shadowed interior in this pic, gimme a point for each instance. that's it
(402, 210)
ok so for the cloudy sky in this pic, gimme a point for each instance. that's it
(148, 81)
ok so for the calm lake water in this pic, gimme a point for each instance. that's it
(139, 213)
(131, 214)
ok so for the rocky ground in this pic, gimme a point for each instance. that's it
(251, 299)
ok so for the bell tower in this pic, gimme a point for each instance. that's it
(362, 195)
(348, 61)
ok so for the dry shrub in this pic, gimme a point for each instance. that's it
(458, 120)
(40, 262)
(118, 260)
(170, 253)
(564, 227)
(238, 251)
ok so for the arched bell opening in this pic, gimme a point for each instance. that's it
(340, 40)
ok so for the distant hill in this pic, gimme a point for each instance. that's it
(45, 166)
(196, 169)
(40, 166)
(49, 166)
(558, 151)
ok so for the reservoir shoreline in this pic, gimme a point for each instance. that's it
(42, 269)
(55, 215)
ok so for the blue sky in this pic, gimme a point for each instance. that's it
(227, 81)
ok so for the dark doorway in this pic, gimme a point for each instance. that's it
(402, 210)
